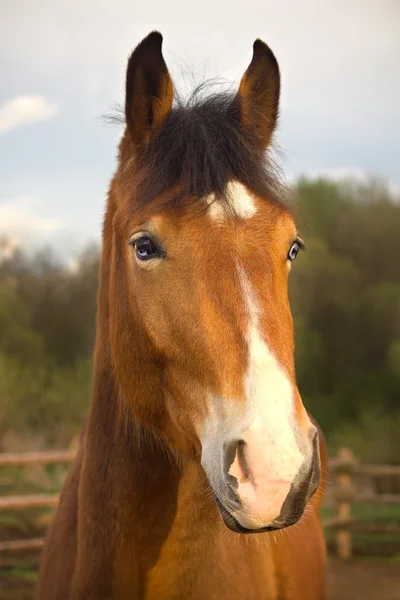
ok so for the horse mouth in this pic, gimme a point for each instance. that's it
(233, 524)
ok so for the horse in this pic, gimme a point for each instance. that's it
(197, 451)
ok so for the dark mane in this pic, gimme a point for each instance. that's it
(201, 146)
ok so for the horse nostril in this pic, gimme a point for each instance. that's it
(229, 455)
(232, 450)
(315, 469)
(244, 467)
(315, 439)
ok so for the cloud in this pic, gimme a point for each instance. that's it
(24, 110)
(19, 217)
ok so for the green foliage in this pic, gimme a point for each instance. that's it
(374, 437)
(60, 303)
(47, 325)
(17, 337)
(45, 398)
(394, 357)
(345, 293)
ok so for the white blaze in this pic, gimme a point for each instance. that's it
(240, 202)
(269, 397)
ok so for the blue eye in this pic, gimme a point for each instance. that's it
(294, 250)
(145, 248)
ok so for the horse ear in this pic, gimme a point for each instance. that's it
(149, 89)
(258, 96)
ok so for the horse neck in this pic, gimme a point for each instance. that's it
(144, 497)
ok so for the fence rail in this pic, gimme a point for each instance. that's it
(29, 501)
(346, 468)
(23, 545)
(36, 458)
(344, 492)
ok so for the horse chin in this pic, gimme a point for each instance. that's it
(233, 524)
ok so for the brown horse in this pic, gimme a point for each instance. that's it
(196, 433)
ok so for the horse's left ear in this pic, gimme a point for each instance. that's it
(258, 95)
(149, 89)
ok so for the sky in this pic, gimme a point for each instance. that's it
(62, 67)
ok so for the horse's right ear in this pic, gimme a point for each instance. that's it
(149, 90)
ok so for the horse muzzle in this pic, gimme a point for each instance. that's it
(252, 496)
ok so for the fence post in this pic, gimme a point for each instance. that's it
(343, 476)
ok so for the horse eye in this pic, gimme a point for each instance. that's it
(145, 248)
(294, 250)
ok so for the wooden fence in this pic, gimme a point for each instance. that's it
(353, 482)
(26, 459)
(345, 488)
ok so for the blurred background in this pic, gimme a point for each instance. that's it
(62, 69)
